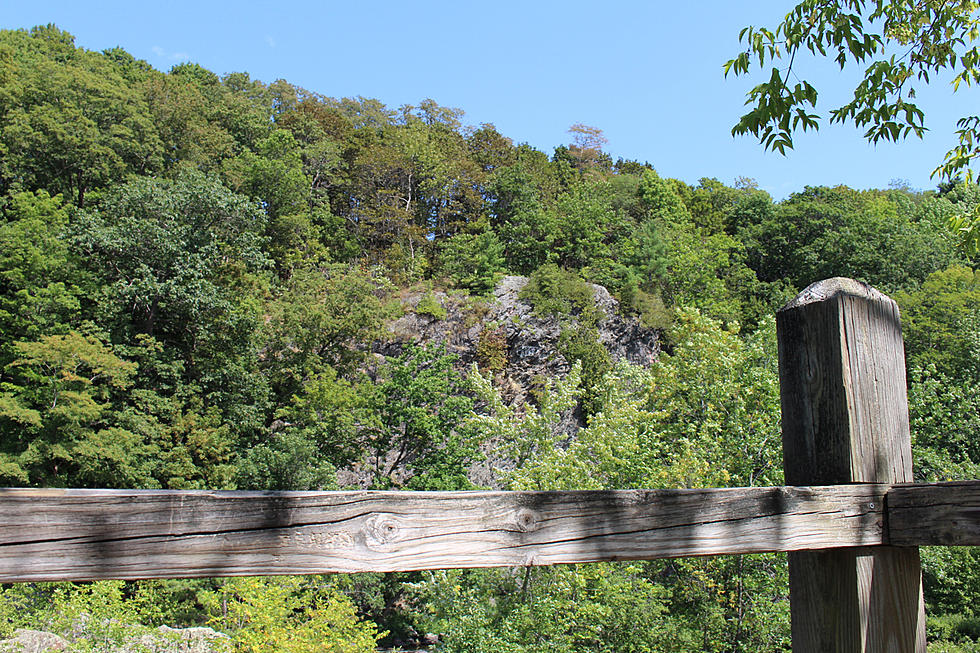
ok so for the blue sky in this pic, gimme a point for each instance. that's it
(649, 74)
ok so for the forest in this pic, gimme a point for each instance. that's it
(198, 280)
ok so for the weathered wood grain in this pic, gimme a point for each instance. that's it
(129, 534)
(937, 514)
(845, 420)
(842, 387)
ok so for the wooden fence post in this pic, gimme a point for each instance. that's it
(845, 420)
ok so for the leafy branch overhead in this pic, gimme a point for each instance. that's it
(903, 44)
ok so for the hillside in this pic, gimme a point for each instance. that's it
(220, 283)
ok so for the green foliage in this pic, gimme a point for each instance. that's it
(625, 283)
(941, 322)
(70, 122)
(951, 585)
(269, 615)
(552, 290)
(295, 242)
(945, 418)
(474, 262)
(825, 232)
(319, 430)
(598, 607)
(273, 174)
(170, 602)
(951, 580)
(518, 203)
(580, 344)
(404, 264)
(92, 616)
(707, 414)
(386, 598)
(961, 215)
(429, 306)
(96, 616)
(54, 414)
(420, 440)
(180, 261)
(196, 269)
(952, 634)
(659, 197)
(967, 229)
(701, 268)
(39, 279)
(586, 224)
(260, 614)
(704, 272)
(491, 348)
(648, 259)
(322, 318)
(170, 250)
(189, 444)
(612, 607)
(293, 460)
(712, 203)
(931, 39)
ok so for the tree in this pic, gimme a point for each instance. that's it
(54, 419)
(586, 148)
(586, 225)
(474, 261)
(273, 175)
(186, 107)
(69, 120)
(699, 268)
(935, 36)
(420, 440)
(317, 432)
(168, 251)
(825, 232)
(518, 197)
(323, 318)
(39, 281)
(941, 323)
(931, 37)
(180, 261)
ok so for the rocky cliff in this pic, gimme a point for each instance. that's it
(504, 335)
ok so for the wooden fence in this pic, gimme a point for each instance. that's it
(849, 517)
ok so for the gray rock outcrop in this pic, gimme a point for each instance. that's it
(33, 641)
(527, 348)
(180, 640)
(532, 342)
(161, 640)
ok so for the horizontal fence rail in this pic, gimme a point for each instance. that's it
(130, 534)
(935, 514)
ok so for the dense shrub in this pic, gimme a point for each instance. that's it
(552, 290)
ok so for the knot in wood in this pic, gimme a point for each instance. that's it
(381, 530)
(525, 521)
